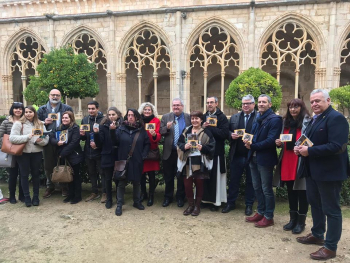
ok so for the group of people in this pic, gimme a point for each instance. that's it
(194, 153)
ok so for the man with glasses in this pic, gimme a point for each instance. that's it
(215, 187)
(171, 127)
(238, 156)
(54, 105)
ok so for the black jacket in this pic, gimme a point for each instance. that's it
(88, 151)
(109, 153)
(220, 134)
(44, 111)
(72, 150)
(123, 137)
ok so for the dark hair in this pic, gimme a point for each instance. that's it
(115, 109)
(197, 113)
(94, 102)
(16, 105)
(137, 116)
(303, 111)
(71, 117)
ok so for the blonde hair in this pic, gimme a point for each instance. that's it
(148, 104)
(37, 123)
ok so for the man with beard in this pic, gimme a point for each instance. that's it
(215, 187)
(54, 105)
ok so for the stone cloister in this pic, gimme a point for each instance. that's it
(159, 50)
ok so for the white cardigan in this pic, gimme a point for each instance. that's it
(17, 138)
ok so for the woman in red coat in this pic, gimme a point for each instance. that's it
(149, 115)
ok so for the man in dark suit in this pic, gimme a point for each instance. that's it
(263, 158)
(326, 166)
(171, 127)
(238, 156)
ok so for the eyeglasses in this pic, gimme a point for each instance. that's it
(55, 95)
(247, 104)
(177, 105)
(210, 102)
(294, 107)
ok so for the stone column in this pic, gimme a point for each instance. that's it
(24, 85)
(330, 48)
(253, 60)
(336, 78)
(121, 101)
(177, 92)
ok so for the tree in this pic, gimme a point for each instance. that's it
(253, 81)
(73, 75)
(341, 97)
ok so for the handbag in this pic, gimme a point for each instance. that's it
(7, 160)
(153, 155)
(62, 173)
(120, 167)
(10, 148)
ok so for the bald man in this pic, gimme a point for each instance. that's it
(54, 105)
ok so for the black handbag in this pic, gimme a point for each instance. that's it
(153, 155)
(120, 167)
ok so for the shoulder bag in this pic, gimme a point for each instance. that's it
(153, 155)
(62, 173)
(7, 160)
(10, 148)
(120, 167)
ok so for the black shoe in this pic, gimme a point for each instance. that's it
(21, 198)
(166, 202)
(35, 201)
(180, 203)
(13, 200)
(150, 200)
(214, 208)
(300, 226)
(139, 206)
(67, 199)
(118, 211)
(75, 200)
(292, 222)
(28, 201)
(248, 210)
(143, 196)
(228, 208)
(109, 204)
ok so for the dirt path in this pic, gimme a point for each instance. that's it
(87, 232)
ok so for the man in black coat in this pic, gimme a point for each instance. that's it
(215, 187)
(91, 151)
(239, 156)
(54, 105)
(171, 127)
(263, 157)
(326, 166)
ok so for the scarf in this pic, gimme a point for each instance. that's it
(292, 130)
(56, 109)
(147, 119)
(259, 119)
(132, 126)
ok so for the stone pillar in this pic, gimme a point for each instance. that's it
(109, 93)
(187, 91)
(121, 96)
(111, 65)
(330, 48)
(253, 60)
(178, 91)
(24, 85)
(336, 78)
(172, 93)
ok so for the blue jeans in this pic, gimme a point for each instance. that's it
(237, 167)
(262, 183)
(324, 198)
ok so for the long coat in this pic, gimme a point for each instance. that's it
(328, 158)
(71, 150)
(88, 151)
(123, 137)
(150, 165)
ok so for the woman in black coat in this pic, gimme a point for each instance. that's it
(123, 137)
(70, 150)
(109, 152)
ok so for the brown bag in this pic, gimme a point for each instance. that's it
(120, 167)
(10, 148)
(62, 173)
(153, 155)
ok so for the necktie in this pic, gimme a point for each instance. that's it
(246, 117)
(176, 131)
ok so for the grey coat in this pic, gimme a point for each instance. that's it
(5, 128)
(169, 134)
(299, 183)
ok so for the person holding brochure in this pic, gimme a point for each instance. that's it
(149, 116)
(70, 150)
(198, 166)
(295, 122)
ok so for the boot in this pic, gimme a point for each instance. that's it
(28, 201)
(150, 200)
(12, 198)
(292, 222)
(197, 208)
(143, 196)
(190, 207)
(300, 226)
(151, 189)
(35, 201)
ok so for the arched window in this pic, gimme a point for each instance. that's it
(345, 62)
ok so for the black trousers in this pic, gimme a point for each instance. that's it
(121, 192)
(75, 185)
(13, 175)
(94, 169)
(170, 169)
(108, 175)
(297, 199)
(29, 163)
(152, 182)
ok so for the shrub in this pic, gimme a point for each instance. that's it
(254, 81)
(341, 97)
